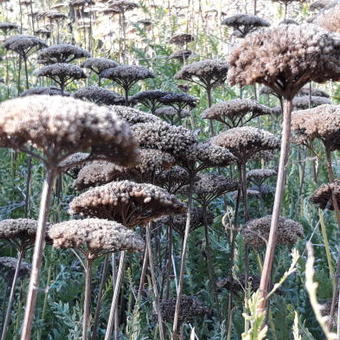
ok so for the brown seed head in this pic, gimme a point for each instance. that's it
(97, 65)
(323, 195)
(99, 96)
(23, 44)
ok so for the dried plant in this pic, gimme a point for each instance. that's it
(324, 195)
(181, 55)
(329, 19)
(181, 39)
(284, 58)
(98, 65)
(93, 238)
(134, 116)
(126, 76)
(58, 127)
(170, 114)
(61, 73)
(61, 53)
(99, 96)
(51, 91)
(306, 102)
(236, 112)
(244, 24)
(150, 99)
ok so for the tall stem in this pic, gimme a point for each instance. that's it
(175, 327)
(100, 297)
(11, 295)
(115, 296)
(142, 276)
(279, 191)
(154, 283)
(87, 299)
(38, 254)
(208, 89)
(26, 72)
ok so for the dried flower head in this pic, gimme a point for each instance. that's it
(285, 58)
(99, 96)
(150, 99)
(244, 24)
(50, 91)
(236, 112)
(126, 202)
(163, 136)
(134, 116)
(258, 176)
(8, 26)
(150, 163)
(323, 195)
(322, 4)
(23, 44)
(59, 126)
(237, 285)
(257, 231)
(191, 309)
(8, 266)
(72, 164)
(126, 75)
(321, 122)
(95, 237)
(181, 55)
(61, 73)
(20, 232)
(61, 53)
(329, 19)
(210, 186)
(55, 16)
(199, 217)
(123, 5)
(173, 179)
(171, 115)
(306, 102)
(245, 142)
(288, 22)
(207, 73)
(181, 39)
(97, 65)
(179, 101)
(307, 90)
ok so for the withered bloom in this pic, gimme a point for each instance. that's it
(98, 65)
(237, 112)
(329, 19)
(134, 116)
(61, 53)
(181, 39)
(244, 24)
(126, 202)
(99, 96)
(23, 44)
(50, 91)
(323, 195)
(181, 55)
(150, 99)
(306, 102)
(256, 231)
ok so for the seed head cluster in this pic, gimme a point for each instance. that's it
(95, 236)
(127, 74)
(323, 195)
(97, 65)
(23, 44)
(236, 112)
(245, 142)
(134, 116)
(329, 19)
(8, 264)
(181, 55)
(61, 53)
(305, 102)
(63, 125)
(257, 231)
(127, 202)
(321, 122)
(61, 71)
(50, 91)
(285, 58)
(99, 96)
(181, 39)
(206, 72)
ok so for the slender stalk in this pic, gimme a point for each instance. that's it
(11, 295)
(279, 191)
(142, 276)
(115, 297)
(208, 89)
(87, 299)
(154, 283)
(26, 72)
(100, 298)
(28, 186)
(37, 254)
(175, 327)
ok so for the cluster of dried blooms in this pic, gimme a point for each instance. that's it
(8, 26)
(296, 54)
(20, 230)
(173, 179)
(61, 53)
(243, 24)
(329, 19)
(244, 142)
(181, 55)
(236, 285)
(67, 124)
(179, 101)
(191, 308)
(258, 176)
(8, 265)
(323, 195)
(126, 202)
(123, 5)
(312, 91)
(256, 231)
(171, 115)
(236, 112)
(98, 65)
(208, 73)
(23, 44)
(181, 39)
(150, 98)
(321, 122)
(50, 91)
(95, 236)
(134, 116)
(61, 72)
(99, 96)
(163, 136)
(306, 102)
